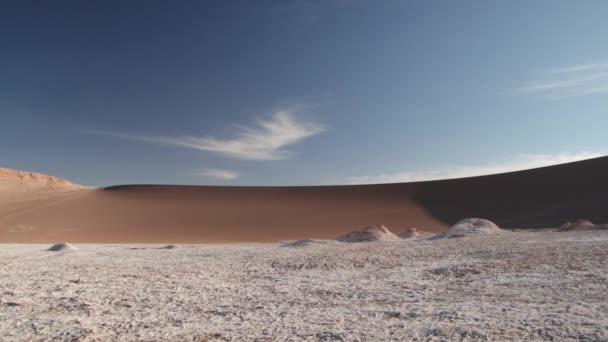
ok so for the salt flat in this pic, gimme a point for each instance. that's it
(515, 286)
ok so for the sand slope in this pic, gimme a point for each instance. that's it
(17, 185)
(544, 197)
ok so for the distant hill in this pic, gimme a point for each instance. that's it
(15, 183)
(544, 197)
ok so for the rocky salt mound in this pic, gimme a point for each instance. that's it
(58, 247)
(369, 234)
(412, 233)
(307, 243)
(581, 225)
(168, 247)
(471, 227)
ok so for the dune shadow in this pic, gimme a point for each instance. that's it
(543, 197)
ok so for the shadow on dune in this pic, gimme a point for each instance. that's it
(544, 197)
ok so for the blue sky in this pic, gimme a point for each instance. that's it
(300, 92)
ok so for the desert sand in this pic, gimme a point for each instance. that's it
(522, 285)
(49, 213)
(15, 185)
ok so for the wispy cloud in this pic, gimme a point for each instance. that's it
(521, 162)
(264, 141)
(601, 66)
(572, 80)
(217, 174)
(570, 83)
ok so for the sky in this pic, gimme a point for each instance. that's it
(299, 92)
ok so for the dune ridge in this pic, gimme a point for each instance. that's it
(26, 178)
(544, 197)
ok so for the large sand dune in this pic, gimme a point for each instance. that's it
(544, 197)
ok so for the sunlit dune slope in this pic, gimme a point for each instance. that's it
(543, 197)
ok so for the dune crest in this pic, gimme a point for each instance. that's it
(34, 179)
(43, 209)
(18, 185)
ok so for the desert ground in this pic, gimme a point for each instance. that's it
(518, 285)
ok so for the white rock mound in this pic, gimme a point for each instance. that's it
(578, 224)
(472, 227)
(307, 242)
(369, 234)
(58, 247)
(168, 247)
(581, 225)
(412, 233)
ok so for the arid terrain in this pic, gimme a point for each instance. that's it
(288, 263)
(37, 210)
(303, 170)
(522, 285)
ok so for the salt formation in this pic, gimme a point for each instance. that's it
(472, 227)
(306, 243)
(581, 225)
(411, 233)
(534, 285)
(371, 233)
(61, 247)
(168, 247)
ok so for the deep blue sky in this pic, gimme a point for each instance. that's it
(113, 92)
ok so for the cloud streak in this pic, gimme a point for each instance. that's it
(264, 141)
(601, 66)
(521, 162)
(572, 80)
(218, 174)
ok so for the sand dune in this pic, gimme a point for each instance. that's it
(544, 197)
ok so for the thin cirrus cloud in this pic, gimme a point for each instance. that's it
(265, 141)
(581, 67)
(521, 162)
(572, 80)
(217, 174)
